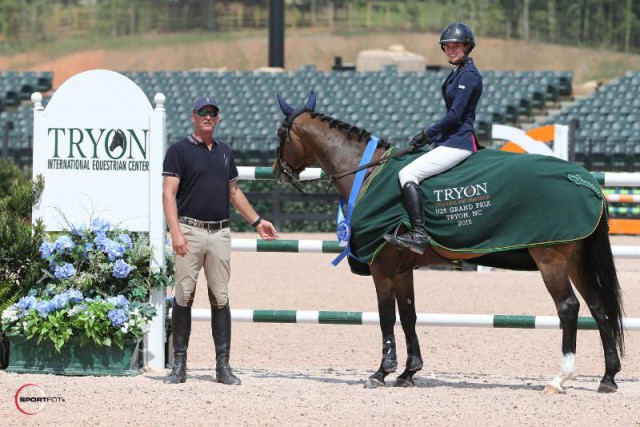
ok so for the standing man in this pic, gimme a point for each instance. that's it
(199, 182)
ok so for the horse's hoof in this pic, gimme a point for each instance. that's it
(551, 389)
(404, 382)
(607, 388)
(373, 383)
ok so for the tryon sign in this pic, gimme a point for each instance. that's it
(97, 150)
(99, 145)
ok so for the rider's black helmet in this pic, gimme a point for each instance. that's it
(458, 32)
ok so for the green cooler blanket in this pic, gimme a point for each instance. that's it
(493, 201)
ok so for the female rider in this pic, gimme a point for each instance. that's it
(453, 135)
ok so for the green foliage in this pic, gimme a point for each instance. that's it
(19, 241)
(10, 174)
(57, 318)
(55, 25)
(56, 289)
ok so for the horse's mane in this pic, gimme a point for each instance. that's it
(349, 129)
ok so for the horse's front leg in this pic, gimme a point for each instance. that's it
(387, 312)
(407, 309)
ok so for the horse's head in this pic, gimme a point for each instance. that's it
(291, 158)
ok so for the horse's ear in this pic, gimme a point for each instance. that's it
(311, 102)
(284, 106)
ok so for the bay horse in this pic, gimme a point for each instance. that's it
(307, 138)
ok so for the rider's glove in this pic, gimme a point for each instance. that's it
(420, 140)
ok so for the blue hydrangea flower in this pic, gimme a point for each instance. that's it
(117, 317)
(113, 249)
(125, 240)
(74, 295)
(79, 231)
(63, 243)
(59, 301)
(64, 271)
(100, 226)
(88, 247)
(46, 249)
(26, 303)
(42, 308)
(119, 301)
(100, 241)
(121, 269)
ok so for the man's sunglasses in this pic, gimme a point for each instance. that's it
(203, 112)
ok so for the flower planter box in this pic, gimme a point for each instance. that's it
(25, 356)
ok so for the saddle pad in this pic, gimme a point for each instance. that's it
(493, 201)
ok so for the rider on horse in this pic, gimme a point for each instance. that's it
(453, 135)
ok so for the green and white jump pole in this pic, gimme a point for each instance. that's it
(331, 246)
(424, 319)
(606, 179)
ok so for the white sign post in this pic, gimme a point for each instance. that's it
(100, 145)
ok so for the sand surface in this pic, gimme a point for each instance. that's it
(305, 374)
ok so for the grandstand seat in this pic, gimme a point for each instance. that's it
(525, 108)
(12, 97)
(565, 83)
(620, 156)
(497, 113)
(635, 154)
(44, 81)
(537, 96)
(483, 126)
(510, 110)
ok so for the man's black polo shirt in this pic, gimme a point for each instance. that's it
(203, 192)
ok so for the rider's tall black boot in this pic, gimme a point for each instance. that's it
(221, 331)
(416, 238)
(180, 331)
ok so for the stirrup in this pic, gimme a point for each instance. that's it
(412, 244)
(393, 238)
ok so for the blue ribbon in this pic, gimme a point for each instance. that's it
(343, 229)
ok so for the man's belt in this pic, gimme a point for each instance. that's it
(207, 225)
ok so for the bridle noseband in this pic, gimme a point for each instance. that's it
(283, 136)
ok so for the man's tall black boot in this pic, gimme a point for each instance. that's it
(180, 332)
(416, 238)
(221, 331)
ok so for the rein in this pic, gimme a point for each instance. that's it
(371, 163)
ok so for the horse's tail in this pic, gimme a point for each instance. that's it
(598, 273)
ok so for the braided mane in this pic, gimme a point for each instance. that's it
(349, 129)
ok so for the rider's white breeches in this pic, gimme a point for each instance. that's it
(432, 163)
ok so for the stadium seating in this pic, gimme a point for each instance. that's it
(608, 133)
(390, 104)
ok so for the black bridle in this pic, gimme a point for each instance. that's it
(283, 136)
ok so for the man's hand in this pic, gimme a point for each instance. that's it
(266, 230)
(420, 140)
(180, 243)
